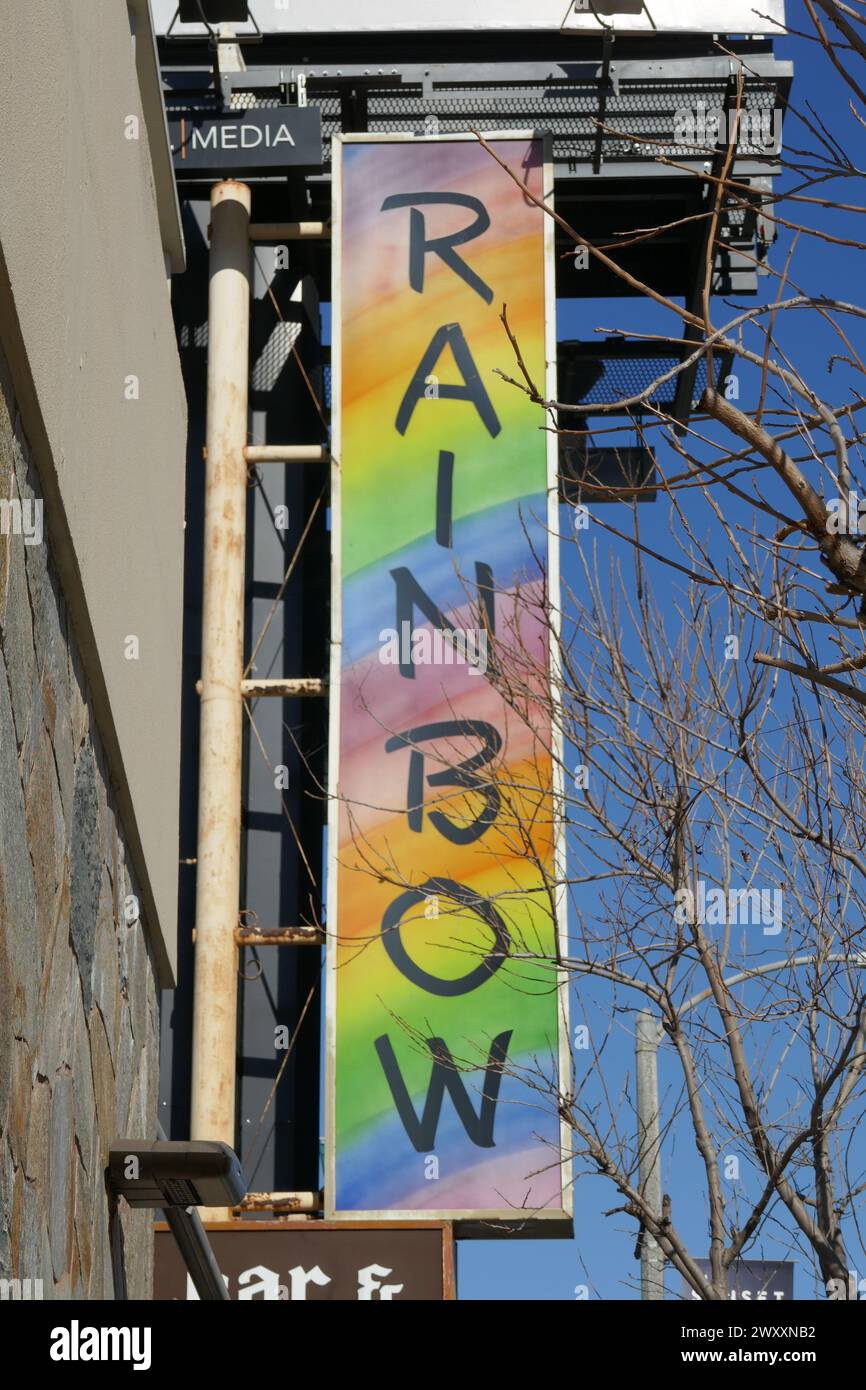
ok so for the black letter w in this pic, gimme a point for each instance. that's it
(446, 1077)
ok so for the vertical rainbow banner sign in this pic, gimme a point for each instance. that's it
(446, 1009)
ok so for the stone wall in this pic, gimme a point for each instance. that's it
(79, 1024)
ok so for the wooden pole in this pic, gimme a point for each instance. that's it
(214, 1040)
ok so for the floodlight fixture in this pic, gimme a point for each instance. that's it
(176, 1173)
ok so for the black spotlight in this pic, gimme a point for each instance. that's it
(176, 1173)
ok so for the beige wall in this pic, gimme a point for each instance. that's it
(84, 304)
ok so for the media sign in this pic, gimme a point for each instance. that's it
(255, 141)
(444, 838)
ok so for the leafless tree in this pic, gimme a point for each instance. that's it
(698, 771)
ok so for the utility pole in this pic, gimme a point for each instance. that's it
(652, 1263)
(648, 1035)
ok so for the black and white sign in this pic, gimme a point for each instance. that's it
(317, 1261)
(259, 141)
(757, 1281)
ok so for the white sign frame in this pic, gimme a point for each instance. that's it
(498, 17)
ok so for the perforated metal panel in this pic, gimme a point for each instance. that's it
(634, 121)
(620, 371)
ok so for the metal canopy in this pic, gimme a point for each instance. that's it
(635, 101)
(612, 113)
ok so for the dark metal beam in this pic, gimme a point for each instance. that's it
(195, 1248)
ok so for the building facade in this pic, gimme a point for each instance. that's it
(92, 441)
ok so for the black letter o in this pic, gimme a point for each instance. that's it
(458, 892)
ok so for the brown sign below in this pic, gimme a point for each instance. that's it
(344, 1261)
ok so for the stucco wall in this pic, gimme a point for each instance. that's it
(79, 1025)
(84, 310)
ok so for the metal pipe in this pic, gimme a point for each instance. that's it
(279, 936)
(287, 453)
(652, 1265)
(214, 1034)
(293, 687)
(283, 453)
(305, 1203)
(290, 231)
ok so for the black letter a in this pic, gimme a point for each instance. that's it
(472, 390)
(446, 1077)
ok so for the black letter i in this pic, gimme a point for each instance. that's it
(444, 489)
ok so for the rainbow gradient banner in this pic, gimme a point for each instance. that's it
(447, 1023)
